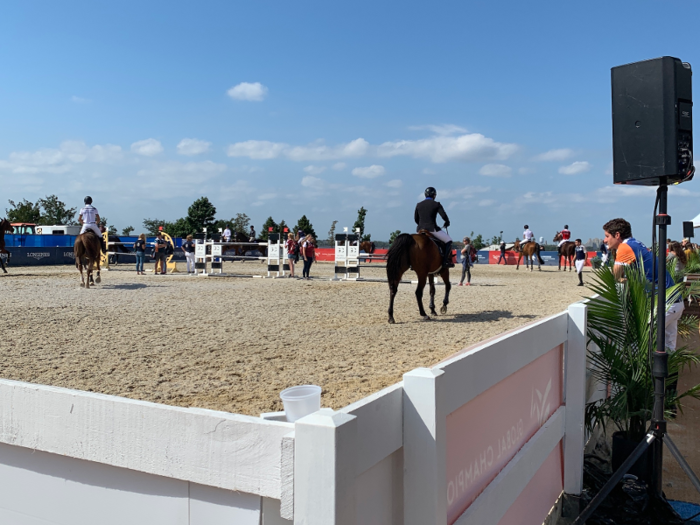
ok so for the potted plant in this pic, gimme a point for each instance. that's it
(618, 353)
(596, 262)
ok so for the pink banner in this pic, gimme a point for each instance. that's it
(535, 501)
(485, 434)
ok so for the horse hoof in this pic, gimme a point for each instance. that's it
(425, 318)
(98, 280)
(82, 285)
(443, 310)
(433, 312)
(391, 320)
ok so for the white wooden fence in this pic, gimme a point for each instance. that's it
(491, 435)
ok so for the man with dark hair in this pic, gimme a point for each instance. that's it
(631, 252)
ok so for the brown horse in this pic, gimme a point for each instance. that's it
(528, 250)
(566, 250)
(5, 227)
(88, 252)
(367, 247)
(419, 253)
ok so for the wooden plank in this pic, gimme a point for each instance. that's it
(379, 425)
(469, 374)
(324, 469)
(575, 399)
(501, 493)
(425, 451)
(212, 448)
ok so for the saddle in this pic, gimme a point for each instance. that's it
(440, 245)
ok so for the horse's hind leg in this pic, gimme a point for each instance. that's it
(431, 282)
(80, 269)
(445, 274)
(2, 263)
(419, 297)
(393, 288)
(98, 280)
(520, 258)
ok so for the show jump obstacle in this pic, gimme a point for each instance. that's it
(492, 435)
(212, 253)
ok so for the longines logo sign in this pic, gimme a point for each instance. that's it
(39, 255)
(69, 254)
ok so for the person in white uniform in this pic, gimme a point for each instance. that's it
(580, 262)
(89, 217)
(528, 236)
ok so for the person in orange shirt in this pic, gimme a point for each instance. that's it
(631, 252)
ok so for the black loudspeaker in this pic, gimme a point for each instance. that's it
(688, 230)
(652, 113)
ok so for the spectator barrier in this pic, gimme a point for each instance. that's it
(492, 435)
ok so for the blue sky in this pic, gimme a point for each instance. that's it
(318, 108)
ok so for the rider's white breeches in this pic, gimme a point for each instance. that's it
(562, 242)
(92, 227)
(442, 236)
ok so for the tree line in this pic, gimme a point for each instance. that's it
(201, 214)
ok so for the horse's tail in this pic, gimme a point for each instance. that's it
(539, 249)
(398, 256)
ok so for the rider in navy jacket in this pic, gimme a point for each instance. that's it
(425, 216)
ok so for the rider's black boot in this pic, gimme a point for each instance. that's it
(447, 260)
(103, 244)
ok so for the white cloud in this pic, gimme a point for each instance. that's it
(580, 166)
(80, 100)
(255, 91)
(487, 202)
(525, 171)
(472, 147)
(442, 129)
(263, 149)
(313, 182)
(467, 192)
(370, 172)
(314, 170)
(495, 170)
(193, 146)
(338, 166)
(396, 183)
(429, 171)
(61, 159)
(148, 147)
(554, 155)
(257, 149)
(319, 151)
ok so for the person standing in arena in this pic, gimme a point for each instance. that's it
(160, 254)
(226, 236)
(580, 261)
(309, 253)
(503, 254)
(631, 253)
(292, 252)
(466, 252)
(140, 250)
(188, 247)
(425, 215)
(89, 217)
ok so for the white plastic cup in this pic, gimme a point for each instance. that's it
(300, 401)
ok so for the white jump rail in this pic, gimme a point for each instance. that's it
(386, 459)
(212, 253)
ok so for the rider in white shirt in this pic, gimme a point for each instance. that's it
(528, 236)
(227, 234)
(89, 217)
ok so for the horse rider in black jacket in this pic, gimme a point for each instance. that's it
(425, 215)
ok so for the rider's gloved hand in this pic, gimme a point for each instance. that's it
(447, 224)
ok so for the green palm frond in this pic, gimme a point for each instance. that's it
(619, 334)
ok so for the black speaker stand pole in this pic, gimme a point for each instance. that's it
(657, 431)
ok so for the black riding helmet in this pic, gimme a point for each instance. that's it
(430, 192)
(566, 226)
(87, 200)
(526, 227)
